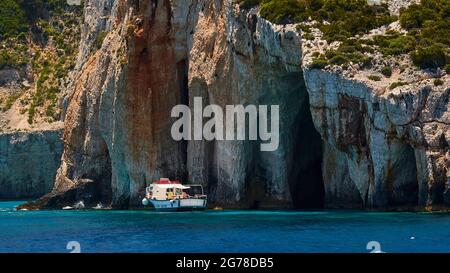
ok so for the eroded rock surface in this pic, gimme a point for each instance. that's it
(384, 149)
(28, 163)
(343, 142)
(237, 58)
(163, 53)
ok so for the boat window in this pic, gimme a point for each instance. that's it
(194, 190)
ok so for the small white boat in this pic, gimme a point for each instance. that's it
(166, 195)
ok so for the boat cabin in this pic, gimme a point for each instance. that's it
(166, 195)
(164, 189)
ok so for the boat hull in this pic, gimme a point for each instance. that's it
(189, 204)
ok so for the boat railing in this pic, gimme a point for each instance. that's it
(201, 195)
(197, 185)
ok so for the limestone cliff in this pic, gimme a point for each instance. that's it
(28, 163)
(382, 148)
(117, 131)
(158, 54)
(38, 41)
(236, 57)
(386, 138)
(353, 147)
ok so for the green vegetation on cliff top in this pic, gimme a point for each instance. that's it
(16, 16)
(44, 35)
(13, 20)
(345, 18)
(427, 40)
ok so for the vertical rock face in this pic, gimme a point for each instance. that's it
(384, 149)
(118, 117)
(158, 54)
(154, 84)
(237, 58)
(28, 163)
(342, 143)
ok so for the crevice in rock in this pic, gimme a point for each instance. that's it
(182, 77)
(307, 186)
(104, 180)
(211, 174)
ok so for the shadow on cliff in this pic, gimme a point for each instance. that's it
(307, 187)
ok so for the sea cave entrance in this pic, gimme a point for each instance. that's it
(307, 186)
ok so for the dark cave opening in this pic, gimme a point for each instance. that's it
(93, 186)
(402, 183)
(301, 153)
(105, 180)
(101, 174)
(307, 187)
(305, 180)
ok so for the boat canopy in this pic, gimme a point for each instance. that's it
(172, 186)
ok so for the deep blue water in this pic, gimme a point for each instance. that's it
(221, 231)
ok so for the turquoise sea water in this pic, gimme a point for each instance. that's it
(221, 231)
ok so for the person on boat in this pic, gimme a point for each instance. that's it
(184, 195)
(169, 195)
